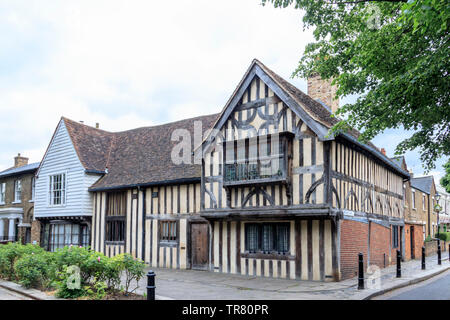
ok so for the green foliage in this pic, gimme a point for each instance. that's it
(445, 180)
(133, 269)
(12, 251)
(92, 272)
(428, 238)
(35, 270)
(395, 56)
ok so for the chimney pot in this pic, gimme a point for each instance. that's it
(81, 121)
(383, 151)
(20, 161)
(97, 125)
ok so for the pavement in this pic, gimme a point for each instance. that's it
(435, 288)
(201, 285)
(206, 285)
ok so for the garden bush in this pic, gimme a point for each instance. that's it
(11, 252)
(35, 270)
(92, 272)
(445, 236)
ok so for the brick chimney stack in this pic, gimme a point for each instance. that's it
(20, 161)
(322, 90)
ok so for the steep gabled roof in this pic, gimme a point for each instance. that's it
(142, 156)
(28, 168)
(423, 184)
(92, 145)
(317, 116)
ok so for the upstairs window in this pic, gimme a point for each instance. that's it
(57, 189)
(413, 199)
(168, 231)
(267, 238)
(2, 192)
(116, 212)
(33, 185)
(17, 191)
(423, 202)
(258, 158)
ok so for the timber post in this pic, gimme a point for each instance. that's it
(399, 267)
(360, 271)
(150, 285)
(423, 258)
(439, 253)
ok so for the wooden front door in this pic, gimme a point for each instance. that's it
(413, 249)
(199, 246)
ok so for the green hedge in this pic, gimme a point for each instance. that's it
(33, 267)
(445, 236)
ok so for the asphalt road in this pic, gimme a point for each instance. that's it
(11, 295)
(436, 288)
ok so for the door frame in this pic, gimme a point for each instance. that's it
(190, 255)
(412, 242)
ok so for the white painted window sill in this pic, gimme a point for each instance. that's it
(16, 202)
(30, 200)
(2, 203)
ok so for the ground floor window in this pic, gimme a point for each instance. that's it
(394, 236)
(115, 228)
(60, 234)
(168, 231)
(267, 237)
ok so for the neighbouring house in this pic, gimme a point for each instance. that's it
(17, 185)
(274, 196)
(415, 226)
(423, 191)
(444, 202)
(76, 158)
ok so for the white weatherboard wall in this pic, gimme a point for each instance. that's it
(61, 157)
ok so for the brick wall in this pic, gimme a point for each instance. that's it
(353, 240)
(379, 245)
(417, 239)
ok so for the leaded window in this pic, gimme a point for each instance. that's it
(253, 159)
(168, 231)
(267, 237)
(116, 209)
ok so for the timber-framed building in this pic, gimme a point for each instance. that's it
(273, 194)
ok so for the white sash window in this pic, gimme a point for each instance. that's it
(57, 192)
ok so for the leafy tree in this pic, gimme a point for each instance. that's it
(445, 180)
(395, 56)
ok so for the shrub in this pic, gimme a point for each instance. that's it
(133, 269)
(445, 236)
(35, 270)
(428, 238)
(11, 252)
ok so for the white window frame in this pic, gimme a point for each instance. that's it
(413, 199)
(33, 188)
(2, 192)
(423, 202)
(63, 190)
(17, 191)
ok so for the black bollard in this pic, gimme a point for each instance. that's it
(423, 258)
(360, 271)
(439, 253)
(150, 285)
(399, 267)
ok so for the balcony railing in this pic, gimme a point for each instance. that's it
(252, 172)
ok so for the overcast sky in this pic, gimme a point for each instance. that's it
(135, 63)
